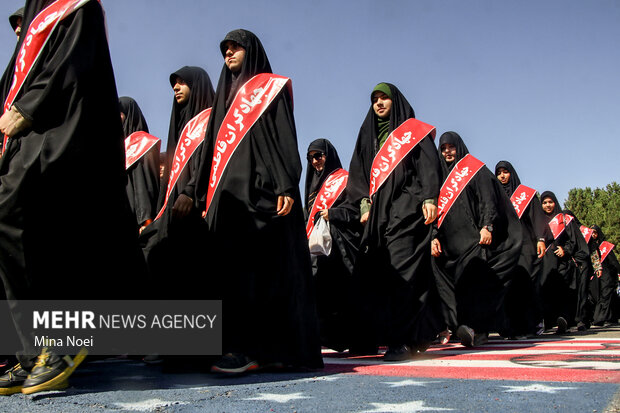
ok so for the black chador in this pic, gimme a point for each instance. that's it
(259, 259)
(581, 256)
(67, 231)
(143, 175)
(332, 273)
(523, 302)
(472, 278)
(173, 243)
(605, 281)
(560, 275)
(392, 273)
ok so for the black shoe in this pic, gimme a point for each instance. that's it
(398, 353)
(12, 380)
(481, 339)
(562, 325)
(466, 335)
(581, 326)
(51, 371)
(234, 363)
(420, 347)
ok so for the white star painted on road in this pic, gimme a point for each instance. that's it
(539, 388)
(407, 382)
(147, 405)
(278, 398)
(407, 407)
(320, 378)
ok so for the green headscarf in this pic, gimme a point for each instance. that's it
(383, 125)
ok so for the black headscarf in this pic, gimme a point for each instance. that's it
(134, 119)
(255, 61)
(600, 235)
(513, 182)
(455, 139)
(314, 178)
(557, 209)
(201, 97)
(13, 17)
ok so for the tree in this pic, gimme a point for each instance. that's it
(598, 207)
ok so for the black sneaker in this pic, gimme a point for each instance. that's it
(398, 353)
(12, 380)
(466, 335)
(581, 326)
(51, 371)
(562, 325)
(234, 363)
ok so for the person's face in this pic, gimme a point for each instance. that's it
(123, 117)
(181, 91)
(448, 151)
(234, 54)
(318, 160)
(503, 175)
(594, 234)
(382, 104)
(548, 205)
(18, 28)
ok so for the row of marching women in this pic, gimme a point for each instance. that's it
(417, 242)
(425, 243)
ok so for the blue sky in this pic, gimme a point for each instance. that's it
(533, 82)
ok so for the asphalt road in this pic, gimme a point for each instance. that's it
(575, 372)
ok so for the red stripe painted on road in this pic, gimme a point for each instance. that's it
(524, 374)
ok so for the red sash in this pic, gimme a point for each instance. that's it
(136, 145)
(459, 177)
(400, 142)
(557, 225)
(605, 248)
(521, 198)
(191, 137)
(331, 189)
(251, 101)
(37, 36)
(587, 232)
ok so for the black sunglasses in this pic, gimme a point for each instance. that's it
(316, 156)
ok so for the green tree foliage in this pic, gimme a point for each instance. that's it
(598, 207)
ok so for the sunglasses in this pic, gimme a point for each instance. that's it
(316, 156)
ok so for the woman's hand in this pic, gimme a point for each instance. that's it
(435, 248)
(285, 204)
(485, 237)
(364, 218)
(12, 122)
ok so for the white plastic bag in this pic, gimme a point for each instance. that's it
(320, 241)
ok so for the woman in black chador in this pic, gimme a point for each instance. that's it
(332, 273)
(605, 281)
(66, 229)
(523, 302)
(392, 273)
(258, 250)
(559, 281)
(143, 175)
(173, 242)
(475, 250)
